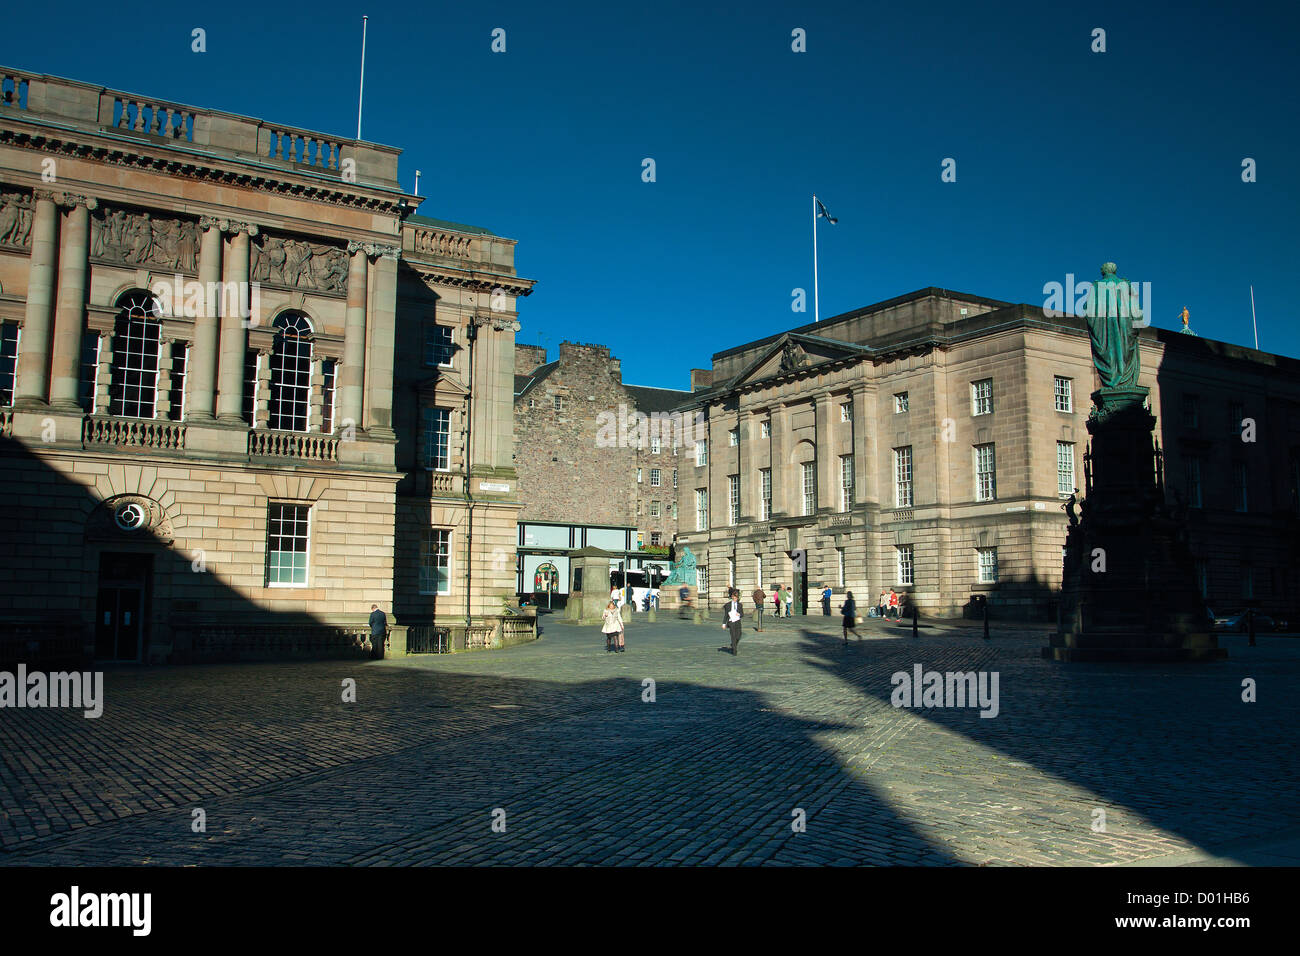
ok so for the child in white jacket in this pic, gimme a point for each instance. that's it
(613, 628)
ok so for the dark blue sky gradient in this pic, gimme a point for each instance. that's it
(1065, 158)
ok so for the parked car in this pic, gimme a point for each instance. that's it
(1236, 621)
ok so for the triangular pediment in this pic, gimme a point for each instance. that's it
(793, 352)
(445, 383)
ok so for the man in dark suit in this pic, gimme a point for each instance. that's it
(733, 615)
(378, 630)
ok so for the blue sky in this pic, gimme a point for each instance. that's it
(1064, 157)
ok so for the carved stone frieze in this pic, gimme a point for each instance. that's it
(294, 264)
(16, 219)
(145, 239)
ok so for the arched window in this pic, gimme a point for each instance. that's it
(290, 400)
(133, 387)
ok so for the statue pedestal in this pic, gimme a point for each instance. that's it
(1129, 588)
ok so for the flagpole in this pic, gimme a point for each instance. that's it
(1252, 317)
(816, 302)
(362, 91)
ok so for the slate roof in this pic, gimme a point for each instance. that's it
(526, 383)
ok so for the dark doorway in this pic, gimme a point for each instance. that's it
(120, 632)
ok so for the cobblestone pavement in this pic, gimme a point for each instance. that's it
(556, 735)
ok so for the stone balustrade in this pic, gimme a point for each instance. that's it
(444, 482)
(71, 104)
(436, 242)
(265, 443)
(133, 432)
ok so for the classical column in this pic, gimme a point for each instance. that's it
(70, 314)
(781, 478)
(828, 482)
(166, 359)
(350, 372)
(262, 404)
(382, 320)
(864, 465)
(314, 418)
(230, 386)
(34, 356)
(201, 371)
(750, 485)
(104, 376)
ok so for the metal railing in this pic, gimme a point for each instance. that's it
(428, 639)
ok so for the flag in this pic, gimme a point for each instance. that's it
(822, 211)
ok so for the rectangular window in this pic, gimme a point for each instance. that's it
(839, 560)
(765, 479)
(251, 359)
(1239, 493)
(435, 561)
(905, 571)
(290, 399)
(903, 477)
(809, 487)
(988, 564)
(1192, 471)
(438, 348)
(766, 429)
(1191, 411)
(733, 499)
(654, 509)
(1064, 467)
(1064, 389)
(8, 362)
(638, 507)
(328, 372)
(701, 452)
(702, 575)
(176, 394)
(90, 375)
(287, 534)
(846, 412)
(758, 570)
(674, 478)
(731, 572)
(558, 401)
(733, 437)
(701, 509)
(436, 433)
(900, 402)
(846, 482)
(655, 477)
(134, 386)
(1236, 412)
(655, 538)
(638, 476)
(986, 483)
(656, 445)
(981, 397)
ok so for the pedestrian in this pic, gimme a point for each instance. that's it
(733, 613)
(613, 628)
(789, 601)
(826, 601)
(882, 603)
(893, 603)
(378, 630)
(776, 599)
(850, 611)
(760, 598)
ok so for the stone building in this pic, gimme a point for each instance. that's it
(588, 466)
(927, 443)
(208, 447)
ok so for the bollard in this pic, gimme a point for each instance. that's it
(699, 615)
(914, 620)
(986, 620)
(651, 615)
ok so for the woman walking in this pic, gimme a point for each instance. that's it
(613, 628)
(850, 611)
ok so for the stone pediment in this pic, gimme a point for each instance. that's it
(793, 352)
(446, 382)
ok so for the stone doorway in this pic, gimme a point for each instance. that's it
(121, 633)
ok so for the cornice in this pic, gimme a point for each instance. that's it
(474, 281)
(195, 168)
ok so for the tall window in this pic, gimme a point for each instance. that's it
(988, 565)
(905, 570)
(8, 361)
(900, 402)
(90, 374)
(809, 487)
(733, 437)
(702, 575)
(733, 499)
(559, 402)
(133, 389)
(656, 477)
(731, 572)
(287, 535)
(981, 397)
(846, 411)
(1191, 411)
(674, 478)
(903, 477)
(290, 403)
(839, 560)
(1064, 389)
(986, 483)
(329, 372)
(765, 480)
(175, 395)
(655, 539)
(758, 570)
(701, 509)
(1239, 496)
(846, 482)
(435, 561)
(766, 429)
(251, 362)
(1064, 467)
(654, 509)
(1236, 413)
(436, 432)
(438, 348)
(701, 452)
(656, 445)
(1192, 470)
